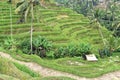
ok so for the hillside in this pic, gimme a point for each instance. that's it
(63, 27)
(58, 24)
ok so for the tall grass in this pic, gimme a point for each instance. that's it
(26, 70)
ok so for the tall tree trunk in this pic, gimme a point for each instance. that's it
(11, 28)
(31, 35)
(101, 34)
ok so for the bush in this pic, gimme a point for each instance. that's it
(10, 43)
(70, 51)
(73, 50)
(118, 49)
(105, 52)
(50, 54)
(84, 49)
(113, 43)
(25, 46)
(40, 46)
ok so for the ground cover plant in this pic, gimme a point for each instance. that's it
(57, 78)
(3, 77)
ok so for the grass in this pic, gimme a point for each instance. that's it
(8, 68)
(13, 71)
(76, 65)
(52, 23)
(61, 31)
(6, 77)
(26, 70)
(57, 78)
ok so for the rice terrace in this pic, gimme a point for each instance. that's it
(59, 40)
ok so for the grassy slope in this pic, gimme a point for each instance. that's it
(59, 25)
(6, 77)
(15, 71)
(76, 65)
(8, 68)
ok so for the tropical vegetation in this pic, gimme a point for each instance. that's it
(58, 34)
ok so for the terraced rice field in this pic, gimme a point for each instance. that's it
(59, 25)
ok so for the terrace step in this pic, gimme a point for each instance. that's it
(67, 25)
(59, 25)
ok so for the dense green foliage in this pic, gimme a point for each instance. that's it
(80, 6)
(73, 50)
(10, 43)
(108, 17)
(40, 46)
(105, 53)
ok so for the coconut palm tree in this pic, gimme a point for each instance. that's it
(11, 27)
(24, 8)
(9, 1)
(96, 21)
(32, 14)
(94, 17)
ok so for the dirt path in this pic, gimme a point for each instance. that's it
(50, 72)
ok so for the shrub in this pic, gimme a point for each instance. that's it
(60, 52)
(50, 54)
(25, 46)
(40, 46)
(105, 52)
(10, 43)
(73, 50)
(69, 50)
(113, 43)
(117, 49)
(84, 49)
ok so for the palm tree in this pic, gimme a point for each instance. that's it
(24, 8)
(32, 14)
(10, 1)
(11, 28)
(96, 21)
(11, 20)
